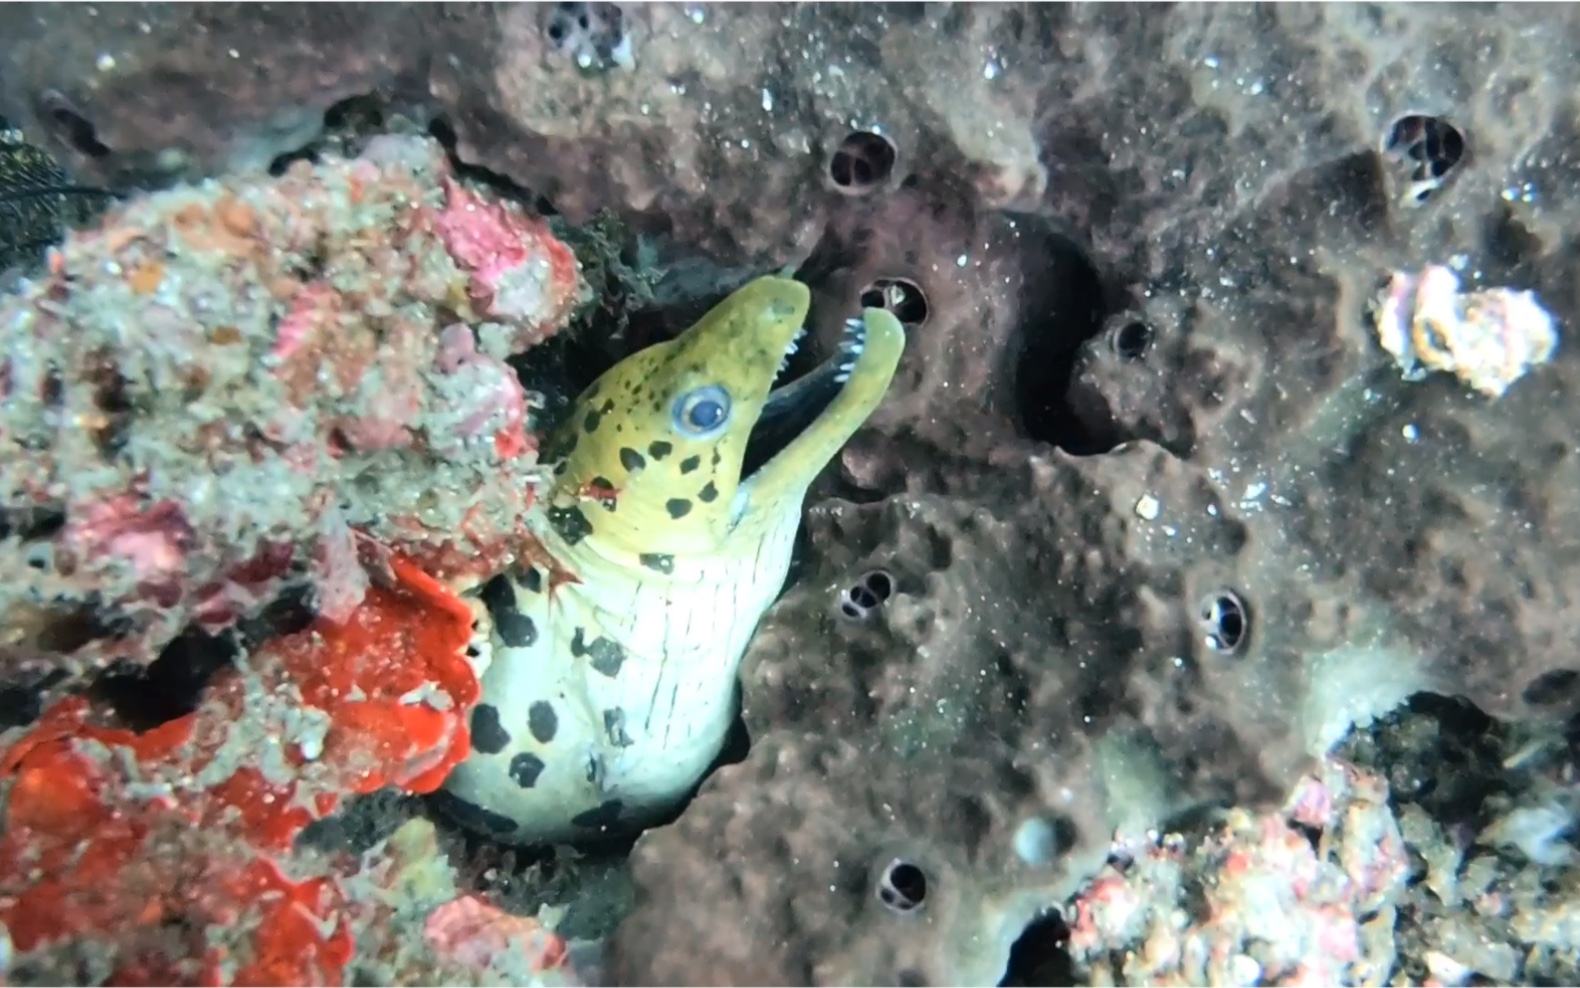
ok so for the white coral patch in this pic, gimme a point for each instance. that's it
(1487, 338)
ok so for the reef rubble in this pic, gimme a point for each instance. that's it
(218, 390)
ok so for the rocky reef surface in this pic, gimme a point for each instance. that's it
(1159, 628)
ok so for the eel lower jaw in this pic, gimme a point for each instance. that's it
(794, 408)
(816, 416)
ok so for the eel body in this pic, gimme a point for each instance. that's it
(608, 694)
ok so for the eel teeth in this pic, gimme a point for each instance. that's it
(790, 350)
(850, 348)
(855, 336)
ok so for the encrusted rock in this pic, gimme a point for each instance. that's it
(1145, 235)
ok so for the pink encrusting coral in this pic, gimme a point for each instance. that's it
(1277, 907)
(510, 280)
(206, 393)
(499, 404)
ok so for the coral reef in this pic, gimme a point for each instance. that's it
(1160, 519)
(172, 856)
(210, 391)
(1261, 903)
(168, 848)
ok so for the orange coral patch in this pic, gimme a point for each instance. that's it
(108, 832)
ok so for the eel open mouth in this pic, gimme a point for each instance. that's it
(794, 406)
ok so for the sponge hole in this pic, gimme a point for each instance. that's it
(1428, 148)
(902, 887)
(862, 163)
(862, 599)
(1224, 621)
(902, 297)
(593, 35)
(1130, 336)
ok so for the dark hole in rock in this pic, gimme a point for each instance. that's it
(1224, 621)
(285, 615)
(903, 887)
(70, 126)
(879, 583)
(862, 162)
(363, 112)
(1131, 337)
(1061, 307)
(442, 131)
(347, 125)
(21, 704)
(282, 163)
(68, 626)
(737, 745)
(867, 594)
(902, 297)
(592, 34)
(1430, 147)
(1442, 753)
(52, 391)
(361, 822)
(110, 396)
(1312, 833)
(40, 556)
(143, 697)
(30, 523)
(1040, 955)
(1553, 688)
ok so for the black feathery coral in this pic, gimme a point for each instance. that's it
(37, 201)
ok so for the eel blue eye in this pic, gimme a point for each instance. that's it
(702, 411)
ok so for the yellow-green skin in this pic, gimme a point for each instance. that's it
(606, 699)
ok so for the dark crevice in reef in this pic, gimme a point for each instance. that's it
(21, 703)
(361, 824)
(442, 131)
(348, 124)
(1039, 957)
(62, 117)
(172, 686)
(1063, 307)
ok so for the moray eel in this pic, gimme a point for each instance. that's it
(677, 490)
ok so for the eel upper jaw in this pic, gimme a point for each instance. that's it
(804, 423)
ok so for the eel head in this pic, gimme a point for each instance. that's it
(687, 445)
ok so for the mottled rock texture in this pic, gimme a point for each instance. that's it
(1147, 237)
